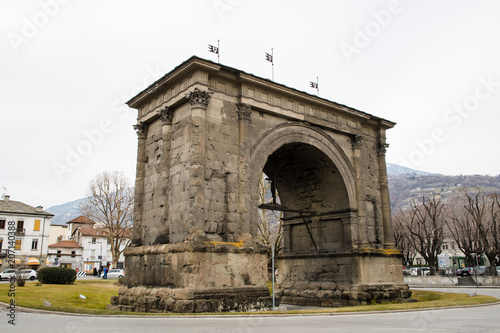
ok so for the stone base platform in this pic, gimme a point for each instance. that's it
(141, 299)
(342, 278)
(326, 294)
(194, 276)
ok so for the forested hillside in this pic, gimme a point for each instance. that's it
(407, 187)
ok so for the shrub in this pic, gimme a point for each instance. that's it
(57, 275)
(21, 281)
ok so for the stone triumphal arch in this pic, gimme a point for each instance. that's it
(206, 133)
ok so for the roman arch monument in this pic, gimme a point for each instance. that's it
(206, 134)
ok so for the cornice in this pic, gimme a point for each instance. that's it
(195, 64)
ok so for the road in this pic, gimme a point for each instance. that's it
(472, 319)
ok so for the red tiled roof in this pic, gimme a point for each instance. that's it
(67, 244)
(81, 219)
(87, 231)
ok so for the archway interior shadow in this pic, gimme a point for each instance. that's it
(310, 188)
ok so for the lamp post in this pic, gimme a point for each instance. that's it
(272, 263)
(100, 254)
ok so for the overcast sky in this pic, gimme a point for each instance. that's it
(67, 67)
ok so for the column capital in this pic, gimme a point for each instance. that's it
(166, 115)
(356, 141)
(141, 130)
(198, 98)
(244, 111)
(382, 148)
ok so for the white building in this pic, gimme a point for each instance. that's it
(29, 233)
(96, 246)
(82, 245)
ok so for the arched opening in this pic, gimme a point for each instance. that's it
(311, 192)
(306, 179)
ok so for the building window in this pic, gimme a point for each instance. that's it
(92, 254)
(18, 244)
(59, 253)
(2, 224)
(1, 241)
(73, 254)
(20, 226)
(93, 240)
(108, 241)
(34, 244)
(37, 225)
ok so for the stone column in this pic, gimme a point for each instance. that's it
(199, 102)
(141, 130)
(384, 196)
(244, 195)
(166, 118)
(362, 234)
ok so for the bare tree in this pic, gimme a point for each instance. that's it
(495, 227)
(110, 202)
(463, 228)
(401, 238)
(425, 223)
(270, 227)
(484, 211)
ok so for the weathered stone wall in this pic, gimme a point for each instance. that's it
(179, 196)
(327, 232)
(184, 266)
(195, 276)
(204, 165)
(339, 280)
(187, 300)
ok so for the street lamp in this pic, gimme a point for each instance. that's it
(273, 275)
(272, 262)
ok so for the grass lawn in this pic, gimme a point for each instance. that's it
(98, 292)
(65, 297)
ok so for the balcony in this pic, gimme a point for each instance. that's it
(20, 232)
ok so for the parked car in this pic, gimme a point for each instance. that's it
(7, 274)
(466, 271)
(420, 271)
(28, 274)
(485, 270)
(116, 273)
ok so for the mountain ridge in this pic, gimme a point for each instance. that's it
(405, 185)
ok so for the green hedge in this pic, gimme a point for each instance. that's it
(57, 275)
